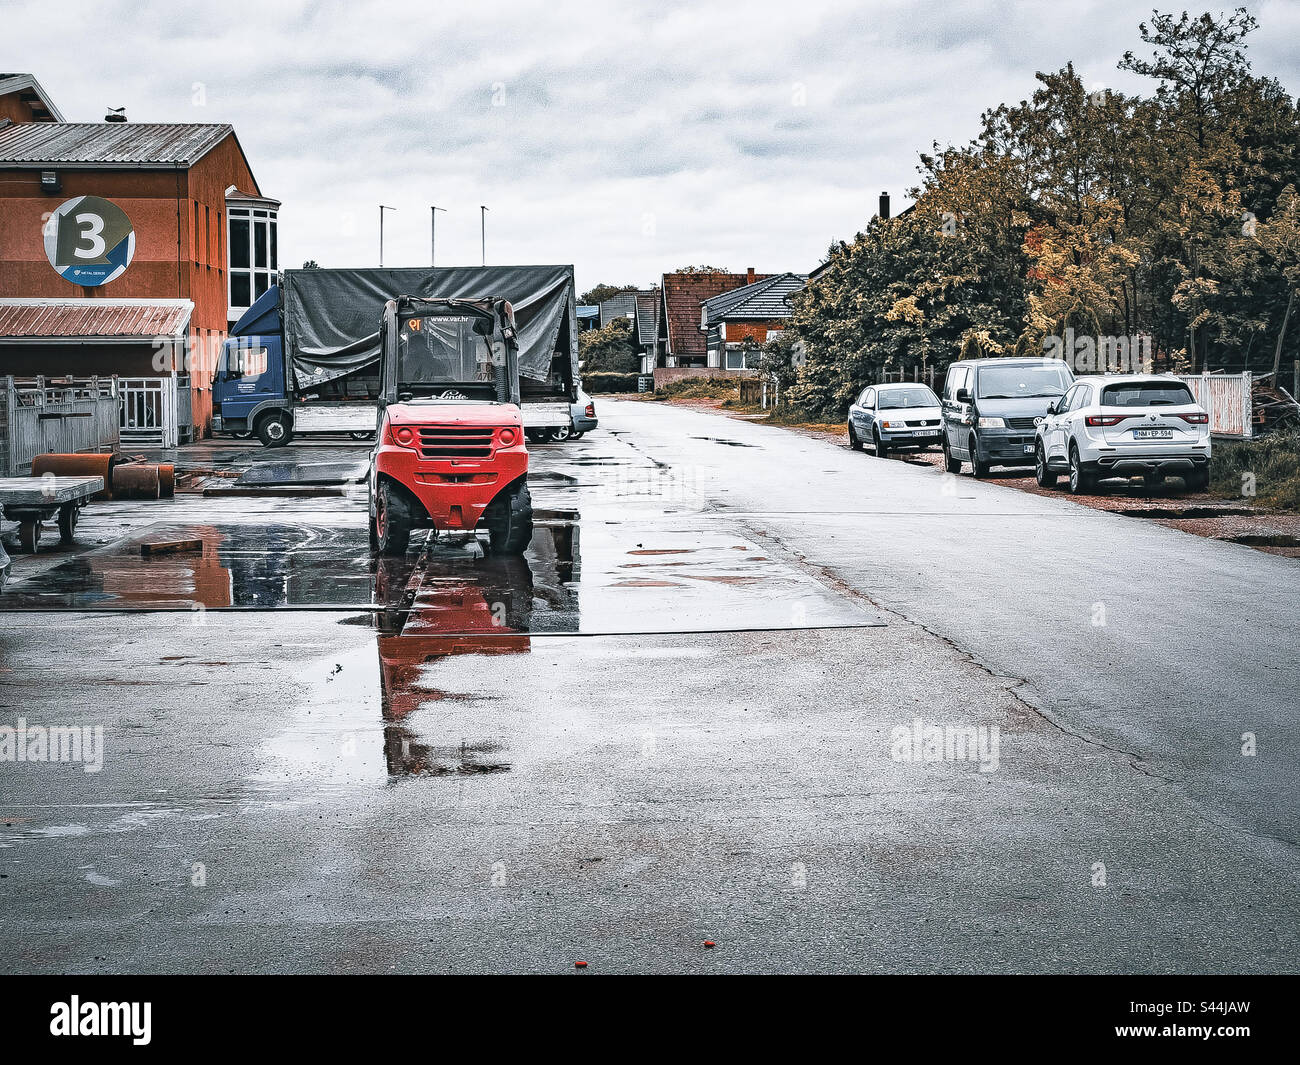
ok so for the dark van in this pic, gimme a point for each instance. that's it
(992, 406)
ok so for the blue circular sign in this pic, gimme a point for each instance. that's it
(89, 241)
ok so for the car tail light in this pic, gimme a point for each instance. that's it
(591, 410)
(1198, 418)
(507, 437)
(1105, 419)
(403, 436)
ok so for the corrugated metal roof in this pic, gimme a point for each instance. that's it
(619, 306)
(89, 318)
(762, 299)
(109, 144)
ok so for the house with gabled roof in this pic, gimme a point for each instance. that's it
(142, 214)
(737, 323)
(681, 340)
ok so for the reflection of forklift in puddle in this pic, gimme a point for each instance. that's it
(450, 599)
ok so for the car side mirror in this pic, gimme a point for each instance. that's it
(963, 395)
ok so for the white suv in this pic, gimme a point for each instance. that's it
(1117, 426)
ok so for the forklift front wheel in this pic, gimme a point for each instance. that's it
(510, 522)
(390, 528)
(274, 429)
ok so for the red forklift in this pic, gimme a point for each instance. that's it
(450, 451)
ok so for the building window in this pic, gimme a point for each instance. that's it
(253, 255)
(739, 358)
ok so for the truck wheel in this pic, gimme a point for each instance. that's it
(390, 528)
(510, 528)
(274, 430)
(562, 433)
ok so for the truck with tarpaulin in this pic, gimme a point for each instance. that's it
(304, 358)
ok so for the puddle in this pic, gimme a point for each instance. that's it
(304, 473)
(598, 576)
(725, 443)
(1261, 540)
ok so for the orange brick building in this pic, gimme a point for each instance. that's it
(171, 181)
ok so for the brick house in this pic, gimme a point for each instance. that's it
(681, 342)
(737, 323)
(173, 188)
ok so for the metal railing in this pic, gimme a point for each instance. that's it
(65, 415)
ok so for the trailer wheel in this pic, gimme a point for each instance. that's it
(561, 433)
(510, 522)
(274, 429)
(391, 525)
(67, 522)
(29, 535)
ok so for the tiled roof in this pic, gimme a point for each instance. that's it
(108, 144)
(682, 296)
(764, 299)
(93, 318)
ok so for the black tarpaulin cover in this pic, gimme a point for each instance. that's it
(331, 317)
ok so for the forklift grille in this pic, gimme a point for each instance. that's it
(454, 442)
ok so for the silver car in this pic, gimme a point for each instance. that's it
(1121, 425)
(895, 416)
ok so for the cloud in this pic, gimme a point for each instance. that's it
(627, 140)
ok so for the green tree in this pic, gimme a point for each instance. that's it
(608, 349)
(602, 292)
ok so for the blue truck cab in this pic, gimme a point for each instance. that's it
(249, 393)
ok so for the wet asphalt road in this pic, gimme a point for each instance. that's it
(672, 724)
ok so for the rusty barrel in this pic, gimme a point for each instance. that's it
(90, 465)
(166, 480)
(136, 481)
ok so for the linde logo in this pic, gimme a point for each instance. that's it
(103, 1018)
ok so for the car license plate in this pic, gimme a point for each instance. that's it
(1153, 434)
(1029, 449)
(927, 432)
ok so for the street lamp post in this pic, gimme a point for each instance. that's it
(433, 234)
(382, 209)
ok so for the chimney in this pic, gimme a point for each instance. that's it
(749, 276)
(884, 205)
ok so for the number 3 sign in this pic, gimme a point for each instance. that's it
(89, 240)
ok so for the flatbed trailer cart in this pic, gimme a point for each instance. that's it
(32, 500)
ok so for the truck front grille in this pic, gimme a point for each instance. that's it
(454, 442)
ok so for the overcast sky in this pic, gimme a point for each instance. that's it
(627, 139)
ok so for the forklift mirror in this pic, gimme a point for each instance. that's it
(482, 327)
